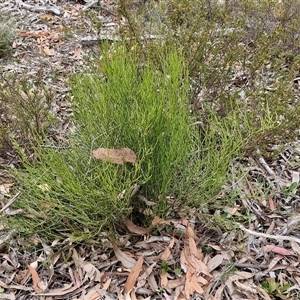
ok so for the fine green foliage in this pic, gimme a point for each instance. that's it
(142, 104)
(135, 105)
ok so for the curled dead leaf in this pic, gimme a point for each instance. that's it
(127, 261)
(115, 156)
(158, 221)
(38, 285)
(136, 229)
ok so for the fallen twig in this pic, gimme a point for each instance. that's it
(90, 4)
(114, 38)
(270, 236)
(50, 9)
(266, 166)
(10, 202)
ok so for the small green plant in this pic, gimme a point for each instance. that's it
(165, 268)
(289, 191)
(275, 288)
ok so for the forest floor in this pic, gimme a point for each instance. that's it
(186, 257)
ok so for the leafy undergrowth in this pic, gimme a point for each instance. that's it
(135, 109)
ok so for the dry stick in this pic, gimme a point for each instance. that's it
(266, 166)
(115, 38)
(270, 236)
(10, 202)
(52, 9)
(90, 4)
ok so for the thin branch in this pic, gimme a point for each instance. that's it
(270, 236)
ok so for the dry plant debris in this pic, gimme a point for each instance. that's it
(115, 156)
(177, 258)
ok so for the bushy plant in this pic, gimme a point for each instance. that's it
(139, 105)
(25, 116)
(137, 102)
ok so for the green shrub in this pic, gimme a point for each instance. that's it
(142, 104)
(133, 104)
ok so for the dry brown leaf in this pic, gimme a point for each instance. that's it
(279, 250)
(77, 53)
(198, 265)
(127, 261)
(264, 295)
(120, 296)
(145, 200)
(115, 156)
(133, 295)
(60, 292)
(194, 250)
(148, 271)
(219, 292)
(152, 282)
(240, 275)
(48, 51)
(245, 287)
(271, 204)
(38, 285)
(185, 222)
(183, 262)
(158, 221)
(201, 280)
(190, 232)
(175, 283)
(136, 229)
(163, 280)
(172, 242)
(91, 272)
(167, 297)
(215, 262)
(131, 280)
(216, 247)
(274, 262)
(165, 255)
(96, 293)
(106, 284)
(188, 288)
(295, 247)
(196, 286)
